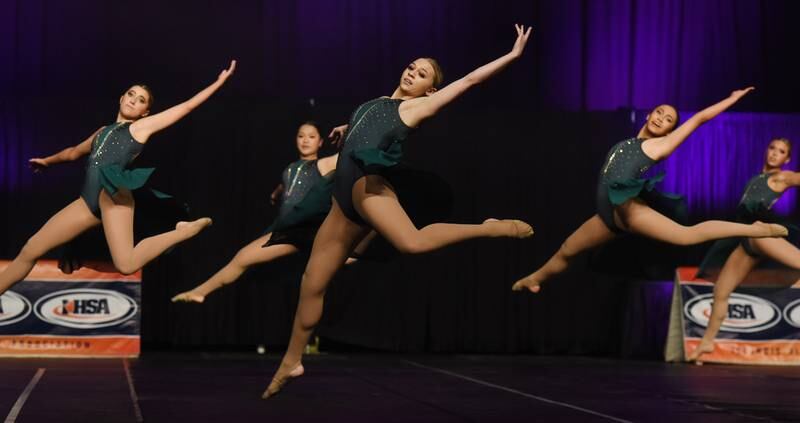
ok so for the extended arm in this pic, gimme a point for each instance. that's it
(66, 155)
(143, 128)
(416, 110)
(665, 146)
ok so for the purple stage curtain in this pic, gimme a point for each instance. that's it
(711, 168)
(63, 63)
(609, 54)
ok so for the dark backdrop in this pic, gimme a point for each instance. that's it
(526, 144)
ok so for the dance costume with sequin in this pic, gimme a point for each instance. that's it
(108, 168)
(756, 204)
(305, 201)
(620, 180)
(298, 178)
(372, 146)
(113, 149)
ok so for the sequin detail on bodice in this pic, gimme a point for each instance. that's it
(375, 124)
(758, 196)
(113, 147)
(625, 161)
(298, 178)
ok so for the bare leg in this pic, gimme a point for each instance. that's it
(736, 268)
(637, 217)
(335, 240)
(65, 225)
(641, 219)
(592, 233)
(252, 254)
(778, 249)
(378, 204)
(338, 237)
(118, 226)
(738, 265)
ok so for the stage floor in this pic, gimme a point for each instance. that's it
(200, 387)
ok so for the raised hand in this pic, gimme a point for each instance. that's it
(337, 135)
(522, 39)
(741, 93)
(419, 109)
(223, 76)
(37, 165)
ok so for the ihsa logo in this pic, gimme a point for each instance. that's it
(746, 313)
(85, 308)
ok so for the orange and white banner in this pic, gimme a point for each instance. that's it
(762, 325)
(93, 312)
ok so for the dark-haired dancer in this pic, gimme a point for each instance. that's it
(738, 256)
(623, 196)
(106, 196)
(305, 199)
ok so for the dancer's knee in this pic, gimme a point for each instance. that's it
(688, 235)
(679, 235)
(568, 250)
(311, 287)
(239, 260)
(125, 266)
(411, 244)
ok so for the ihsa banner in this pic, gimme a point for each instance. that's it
(89, 313)
(762, 325)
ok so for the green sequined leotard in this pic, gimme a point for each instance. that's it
(113, 150)
(756, 204)
(372, 145)
(620, 179)
(305, 201)
(297, 178)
